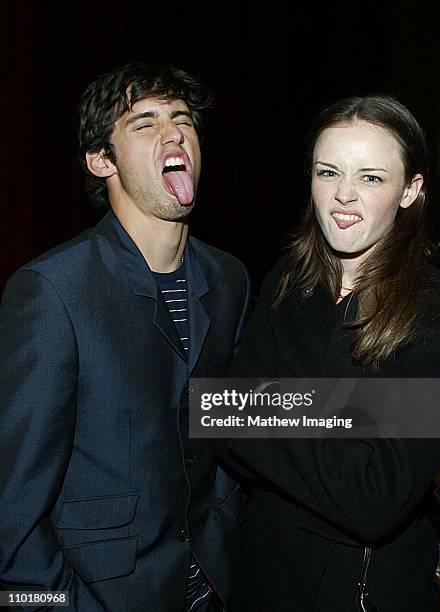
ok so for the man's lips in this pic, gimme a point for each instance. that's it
(177, 177)
(345, 219)
(176, 159)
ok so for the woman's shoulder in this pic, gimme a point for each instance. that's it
(271, 281)
(431, 292)
(421, 354)
(432, 275)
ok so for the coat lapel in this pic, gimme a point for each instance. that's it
(318, 310)
(140, 277)
(163, 322)
(199, 320)
(305, 326)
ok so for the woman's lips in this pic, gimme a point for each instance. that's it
(345, 220)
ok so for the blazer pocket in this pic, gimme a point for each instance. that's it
(103, 518)
(103, 560)
(96, 536)
(98, 513)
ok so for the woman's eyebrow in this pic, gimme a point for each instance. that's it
(360, 169)
(372, 170)
(327, 164)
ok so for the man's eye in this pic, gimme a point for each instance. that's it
(144, 127)
(371, 178)
(188, 123)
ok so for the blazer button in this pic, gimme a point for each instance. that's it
(183, 536)
(189, 462)
(189, 388)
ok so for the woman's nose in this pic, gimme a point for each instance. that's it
(346, 192)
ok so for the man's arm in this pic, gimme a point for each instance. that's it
(38, 379)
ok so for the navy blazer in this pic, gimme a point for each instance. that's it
(97, 495)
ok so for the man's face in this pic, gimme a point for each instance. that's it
(157, 159)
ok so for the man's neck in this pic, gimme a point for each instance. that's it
(161, 242)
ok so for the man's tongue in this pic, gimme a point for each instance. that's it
(180, 184)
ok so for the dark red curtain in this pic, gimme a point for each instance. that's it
(270, 66)
(17, 152)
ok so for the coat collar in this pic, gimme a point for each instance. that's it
(143, 283)
(128, 255)
(316, 306)
(315, 323)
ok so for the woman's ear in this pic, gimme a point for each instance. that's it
(411, 191)
(99, 164)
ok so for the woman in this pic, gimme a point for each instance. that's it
(354, 296)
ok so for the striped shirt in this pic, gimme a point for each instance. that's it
(173, 288)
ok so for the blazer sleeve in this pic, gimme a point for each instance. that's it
(257, 350)
(226, 484)
(254, 360)
(38, 374)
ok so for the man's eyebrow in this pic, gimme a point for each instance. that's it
(137, 116)
(154, 115)
(177, 113)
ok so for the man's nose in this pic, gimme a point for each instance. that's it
(172, 134)
(346, 192)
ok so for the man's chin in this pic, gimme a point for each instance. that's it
(177, 212)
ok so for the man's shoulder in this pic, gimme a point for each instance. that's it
(57, 255)
(62, 259)
(62, 270)
(62, 263)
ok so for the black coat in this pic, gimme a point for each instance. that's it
(315, 503)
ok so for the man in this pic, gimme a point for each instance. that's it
(103, 492)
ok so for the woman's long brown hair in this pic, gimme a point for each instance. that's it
(391, 283)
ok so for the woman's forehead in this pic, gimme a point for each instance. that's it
(358, 140)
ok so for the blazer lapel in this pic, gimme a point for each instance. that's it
(199, 320)
(163, 322)
(140, 277)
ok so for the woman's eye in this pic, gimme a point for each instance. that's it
(371, 178)
(327, 173)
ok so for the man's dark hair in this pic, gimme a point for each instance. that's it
(114, 93)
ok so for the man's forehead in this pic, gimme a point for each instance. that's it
(157, 105)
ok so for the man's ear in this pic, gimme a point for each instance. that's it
(412, 191)
(99, 164)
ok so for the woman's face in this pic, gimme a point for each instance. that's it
(358, 184)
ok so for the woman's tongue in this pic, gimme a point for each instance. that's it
(180, 185)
